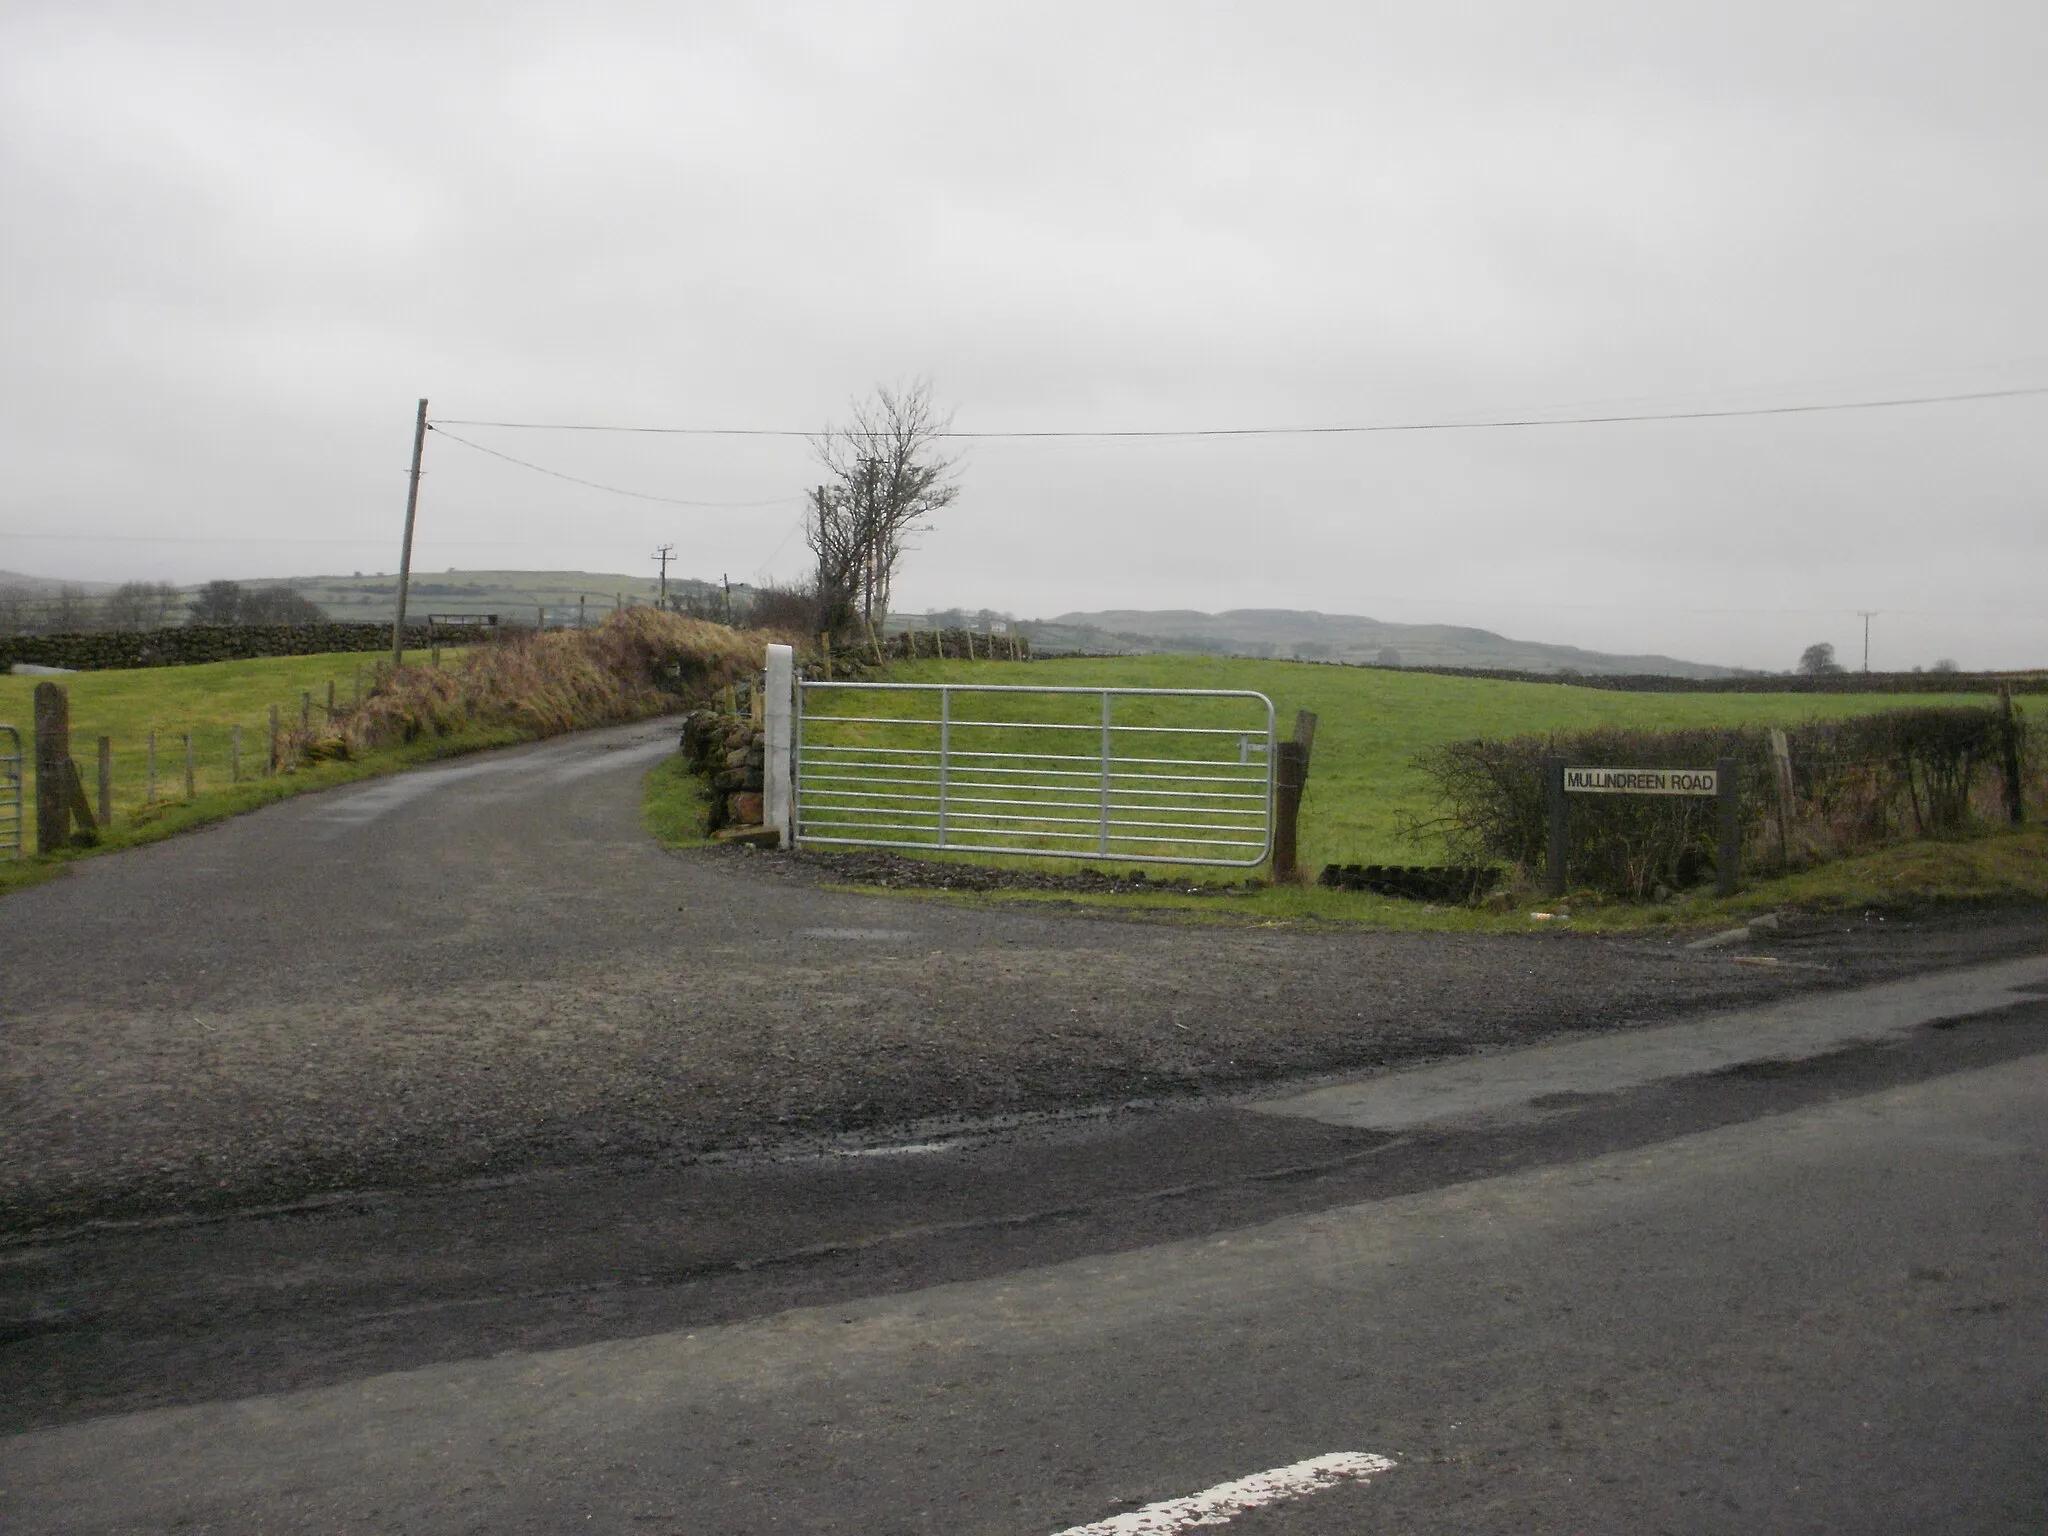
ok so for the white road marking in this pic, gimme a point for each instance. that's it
(908, 1149)
(1226, 1501)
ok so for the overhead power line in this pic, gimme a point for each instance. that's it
(541, 469)
(1490, 424)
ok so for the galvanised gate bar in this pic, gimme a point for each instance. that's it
(1152, 775)
(12, 775)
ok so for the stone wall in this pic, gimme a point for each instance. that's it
(927, 644)
(728, 750)
(104, 650)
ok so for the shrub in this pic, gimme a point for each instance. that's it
(1855, 782)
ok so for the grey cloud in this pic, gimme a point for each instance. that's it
(241, 240)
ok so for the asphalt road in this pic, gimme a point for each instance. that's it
(1779, 1270)
(485, 968)
(1825, 1318)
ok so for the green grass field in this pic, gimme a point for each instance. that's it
(207, 703)
(1371, 726)
(1372, 723)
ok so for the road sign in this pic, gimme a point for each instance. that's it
(1642, 781)
(1722, 782)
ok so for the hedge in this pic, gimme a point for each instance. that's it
(1855, 783)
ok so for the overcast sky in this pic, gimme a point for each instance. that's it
(241, 241)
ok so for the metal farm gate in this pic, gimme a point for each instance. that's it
(1152, 775)
(11, 776)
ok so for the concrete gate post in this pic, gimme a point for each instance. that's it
(778, 696)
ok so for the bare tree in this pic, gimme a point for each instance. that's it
(218, 602)
(832, 528)
(17, 610)
(885, 475)
(69, 610)
(1818, 660)
(129, 606)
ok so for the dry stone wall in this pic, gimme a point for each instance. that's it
(190, 643)
(728, 750)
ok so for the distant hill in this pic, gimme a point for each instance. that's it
(1296, 634)
(18, 582)
(511, 594)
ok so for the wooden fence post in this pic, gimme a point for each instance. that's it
(53, 756)
(235, 754)
(2009, 743)
(85, 831)
(330, 701)
(1781, 774)
(1290, 783)
(1553, 794)
(1290, 769)
(1728, 855)
(273, 739)
(190, 786)
(106, 783)
(149, 781)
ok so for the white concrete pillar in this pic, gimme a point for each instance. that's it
(778, 695)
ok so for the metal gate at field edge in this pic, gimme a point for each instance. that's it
(964, 768)
(13, 774)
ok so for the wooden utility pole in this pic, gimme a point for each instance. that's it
(412, 507)
(1866, 617)
(664, 554)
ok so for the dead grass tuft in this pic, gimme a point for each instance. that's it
(639, 662)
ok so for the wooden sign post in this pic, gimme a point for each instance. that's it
(53, 761)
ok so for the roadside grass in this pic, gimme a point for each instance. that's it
(1997, 868)
(673, 806)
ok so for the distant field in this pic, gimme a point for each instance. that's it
(1372, 724)
(207, 701)
(513, 595)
